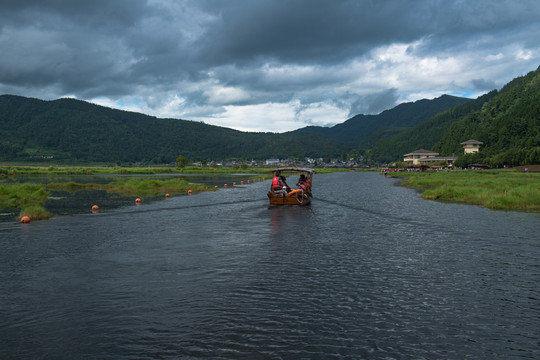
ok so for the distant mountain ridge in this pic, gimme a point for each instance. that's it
(406, 115)
(74, 131)
(506, 121)
(70, 130)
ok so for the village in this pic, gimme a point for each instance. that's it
(418, 160)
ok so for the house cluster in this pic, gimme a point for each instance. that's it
(274, 162)
(425, 158)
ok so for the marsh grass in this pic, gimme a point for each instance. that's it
(6, 170)
(18, 195)
(135, 187)
(31, 197)
(35, 212)
(104, 170)
(502, 190)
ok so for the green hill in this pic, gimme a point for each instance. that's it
(365, 129)
(425, 135)
(506, 121)
(71, 130)
(74, 131)
(508, 125)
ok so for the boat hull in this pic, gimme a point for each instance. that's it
(293, 198)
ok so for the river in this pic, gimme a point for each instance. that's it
(368, 271)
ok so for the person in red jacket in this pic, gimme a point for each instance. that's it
(278, 183)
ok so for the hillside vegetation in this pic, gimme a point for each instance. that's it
(508, 125)
(506, 121)
(74, 131)
(68, 130)
(361, 130)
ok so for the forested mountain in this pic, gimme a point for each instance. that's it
(70, 130)
(506, 121)
(508, 125)
(365, 129)
(76, 131)
(425, 135)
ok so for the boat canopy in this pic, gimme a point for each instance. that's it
(306, 170)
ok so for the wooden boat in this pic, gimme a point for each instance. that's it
(301, 196)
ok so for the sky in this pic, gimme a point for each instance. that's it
(264, 65)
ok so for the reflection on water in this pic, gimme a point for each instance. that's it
(368, 270)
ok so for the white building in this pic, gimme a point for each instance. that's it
(471, 146)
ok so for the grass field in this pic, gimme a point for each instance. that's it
(7, 170)
(494, 189)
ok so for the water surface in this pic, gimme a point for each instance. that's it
(369, 270)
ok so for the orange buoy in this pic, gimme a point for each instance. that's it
(225, 185)
(167, 195)
(137, 201)
(189, 192)
(216, 186)
(234, 184)
(95, 208)
(242, 182)
(25, 219)
(248, 181)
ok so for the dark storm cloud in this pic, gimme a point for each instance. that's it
(311, 31)
(374, 103)
(205, 56)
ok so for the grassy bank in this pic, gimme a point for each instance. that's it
(494, 189)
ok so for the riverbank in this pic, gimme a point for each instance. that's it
(493, 189)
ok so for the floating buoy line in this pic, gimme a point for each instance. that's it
(138, 201)
(184, 207)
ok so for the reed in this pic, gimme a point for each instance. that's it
(17, 195)
(136, 187)
(502, 190)
(35, 212)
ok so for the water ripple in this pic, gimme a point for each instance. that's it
(358, 274)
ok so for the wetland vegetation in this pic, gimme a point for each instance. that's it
(493, 189)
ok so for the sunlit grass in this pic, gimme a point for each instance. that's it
(503, 190)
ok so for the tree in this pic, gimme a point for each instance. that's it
(181, 161)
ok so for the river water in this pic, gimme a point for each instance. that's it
(367, 271)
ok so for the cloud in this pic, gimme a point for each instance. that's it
(374, 103)
(310, 61)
